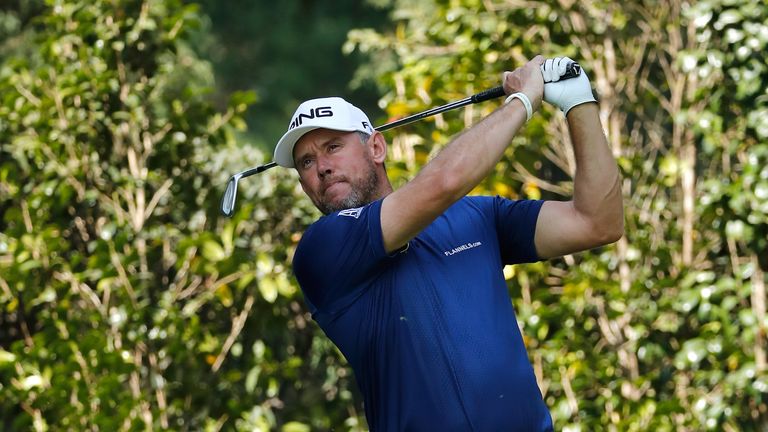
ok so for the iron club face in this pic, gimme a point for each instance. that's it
(227, 207)
(230, 195)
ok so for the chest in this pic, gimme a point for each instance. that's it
(456, 238)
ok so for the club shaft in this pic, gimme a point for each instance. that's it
(228, 200)
(427, 113)
(258, 169)
(572, 71)
(489, 94)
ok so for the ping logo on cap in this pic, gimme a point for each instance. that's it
(324, 111)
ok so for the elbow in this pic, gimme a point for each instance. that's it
(448, 188)
(607, 226)
(610, 231)
(603, 235)
(611, 226)
(615, 233)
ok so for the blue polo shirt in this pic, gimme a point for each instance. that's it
(430, 332)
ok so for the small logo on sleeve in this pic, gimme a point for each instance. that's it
(353, 212)
(462, 248)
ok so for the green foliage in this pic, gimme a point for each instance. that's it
(287, 52)
(665, 330)
(126, 303)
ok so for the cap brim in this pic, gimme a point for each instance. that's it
(284, 149)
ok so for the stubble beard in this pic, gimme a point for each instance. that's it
(362, 192)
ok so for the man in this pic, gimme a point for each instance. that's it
(409, 283)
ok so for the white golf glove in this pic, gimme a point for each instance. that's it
(568, 93)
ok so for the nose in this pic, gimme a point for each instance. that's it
(324, 167)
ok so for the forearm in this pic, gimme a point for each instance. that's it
(597, 187)
(449, 176)
(471, 156)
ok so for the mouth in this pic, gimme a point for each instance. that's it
(332, 186)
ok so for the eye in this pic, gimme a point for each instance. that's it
(334, 146)
(306, 163)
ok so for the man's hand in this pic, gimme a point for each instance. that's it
(527, 79)
(568, 93)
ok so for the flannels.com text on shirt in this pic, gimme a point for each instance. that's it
(462, 248)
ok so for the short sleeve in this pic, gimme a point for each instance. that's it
(337, 255)
(516, 229)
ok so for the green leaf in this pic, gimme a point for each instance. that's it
(252, 379)
(6, 357)
(213, 251)
(294, 426)
(268, 289)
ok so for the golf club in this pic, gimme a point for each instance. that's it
(230, 193)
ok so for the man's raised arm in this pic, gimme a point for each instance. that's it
(462, 164)
(595, 215)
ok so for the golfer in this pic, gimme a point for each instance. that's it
(408, 283)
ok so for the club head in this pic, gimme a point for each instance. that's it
(227, 207)
(230, 195)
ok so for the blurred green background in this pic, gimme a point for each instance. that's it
(128, 303)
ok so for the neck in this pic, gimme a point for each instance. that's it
(385, 187)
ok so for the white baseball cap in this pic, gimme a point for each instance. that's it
(327, 113)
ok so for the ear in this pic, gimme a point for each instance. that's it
(378, 147)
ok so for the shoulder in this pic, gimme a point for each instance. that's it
(338, 223)
(478, 201)
(350, 229)
(481, 204)
(506, 207)
(337, 254)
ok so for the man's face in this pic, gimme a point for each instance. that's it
(336, 170)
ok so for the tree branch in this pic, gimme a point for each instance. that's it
(237, 327)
